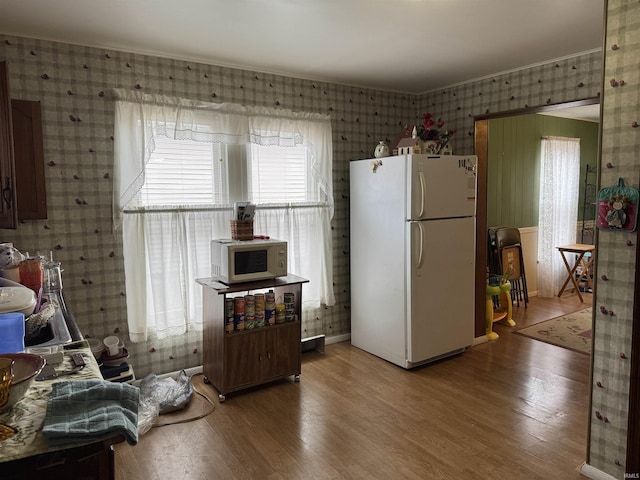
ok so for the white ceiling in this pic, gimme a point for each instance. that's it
(589, 113)
(411, 46)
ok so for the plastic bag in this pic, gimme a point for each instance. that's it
(169, 394)
(148, 410)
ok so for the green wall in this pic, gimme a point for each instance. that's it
(514, 164)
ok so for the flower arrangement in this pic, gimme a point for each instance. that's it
(430, 130)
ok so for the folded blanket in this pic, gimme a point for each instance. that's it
(91, 410)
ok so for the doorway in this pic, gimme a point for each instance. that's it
(482, 149)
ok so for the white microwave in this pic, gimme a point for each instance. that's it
(236, 261)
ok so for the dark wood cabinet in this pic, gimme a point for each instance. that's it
(242, 359)
(8, 210)
(89, 462)
(29, 159)
(261, 355)
(22, 181)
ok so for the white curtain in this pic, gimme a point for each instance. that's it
(558, 209)
(165, 250)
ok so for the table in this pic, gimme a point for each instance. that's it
(581, 260)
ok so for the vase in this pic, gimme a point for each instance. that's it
(382, 150)
(430, 147)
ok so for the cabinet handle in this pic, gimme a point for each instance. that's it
(269, 355)
(6, 192)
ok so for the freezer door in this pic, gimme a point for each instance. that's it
(441, 288)
(441, 186)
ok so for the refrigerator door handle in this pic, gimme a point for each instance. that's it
(422, 192)
(420, 255)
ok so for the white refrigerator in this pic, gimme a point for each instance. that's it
(412, 256)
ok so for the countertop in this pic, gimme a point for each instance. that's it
(27, 416)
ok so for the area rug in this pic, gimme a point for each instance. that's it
(571, 331)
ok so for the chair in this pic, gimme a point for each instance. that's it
(505, 258)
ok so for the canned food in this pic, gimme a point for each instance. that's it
(270, 313)
(238, 313)
(280, 314)
(229, 307)
(260, 302)
(229, 324)
(238, 305)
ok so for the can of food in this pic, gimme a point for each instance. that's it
(249, 311)
(260, 302)
(260, 319)
(229, 324)
(289, 314)
(238, 313)
(229, 307)
(270, 313)
(280, 314)
(288, 297)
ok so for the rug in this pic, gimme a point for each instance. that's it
(571, 331)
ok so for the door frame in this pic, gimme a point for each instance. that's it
(481, 150)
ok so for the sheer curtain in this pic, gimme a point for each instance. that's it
(558, 209)
(167, 248)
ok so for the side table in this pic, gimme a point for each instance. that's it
(580, 250)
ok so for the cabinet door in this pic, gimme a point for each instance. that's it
(243, 356)
(28, 153)
(282, 351)
(8, 210)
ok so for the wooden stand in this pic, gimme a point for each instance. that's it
(580, 250)
(239, 360)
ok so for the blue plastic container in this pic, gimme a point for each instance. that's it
(12, 332)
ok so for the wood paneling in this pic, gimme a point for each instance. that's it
(514, 164)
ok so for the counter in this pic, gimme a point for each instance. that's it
(27, 454)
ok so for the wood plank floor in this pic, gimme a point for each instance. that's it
(513, 408)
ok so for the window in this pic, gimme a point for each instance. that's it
(184, 172)
(278, 174)
(178, 172)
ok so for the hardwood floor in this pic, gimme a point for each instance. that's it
(513, 408)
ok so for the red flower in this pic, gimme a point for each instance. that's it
(430, 130)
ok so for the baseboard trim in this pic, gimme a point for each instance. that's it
(593, 473)
(337, 338)
(480, 340)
